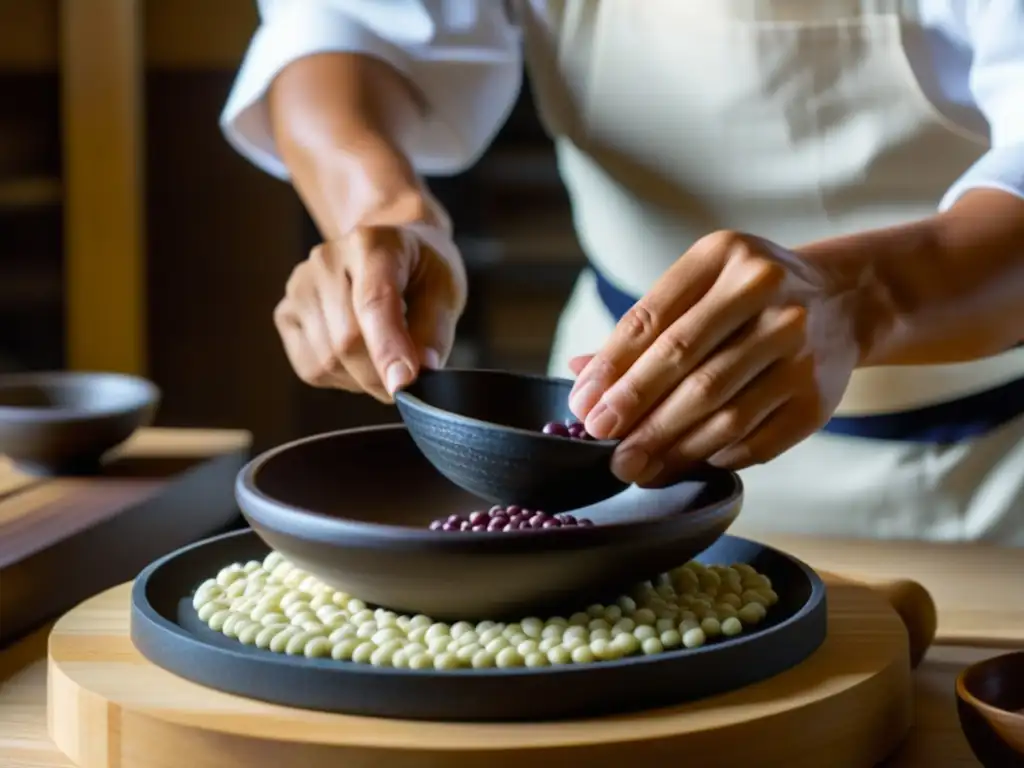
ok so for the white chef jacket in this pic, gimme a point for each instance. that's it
(465, 57)
(967, 60)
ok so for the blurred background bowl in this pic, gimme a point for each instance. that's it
(64, 423)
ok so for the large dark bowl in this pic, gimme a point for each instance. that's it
(990, 703)
(353, 508)
(64, 423)
(482, 430)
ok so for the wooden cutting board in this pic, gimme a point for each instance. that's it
(847, 706)
(964, 578)
(65, 539)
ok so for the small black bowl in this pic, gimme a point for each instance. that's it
(64, 423)
(482, 430)
(353, 508)
(990, 704)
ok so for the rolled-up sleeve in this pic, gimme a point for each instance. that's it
(462, 55)
(996, 32)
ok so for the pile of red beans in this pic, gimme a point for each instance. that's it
(569, 428)
(511, 518)
(515, 518)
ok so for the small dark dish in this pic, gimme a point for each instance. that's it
(990, 703)
(482, 430)
(64, 423)
(353, 508)
(166, 630)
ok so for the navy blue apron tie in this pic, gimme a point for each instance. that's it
(945, 423)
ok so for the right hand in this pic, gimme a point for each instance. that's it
(365, 312)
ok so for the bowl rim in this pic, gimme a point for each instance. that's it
(404, 396)
(965, 694)
(299, 522)
(146, 394)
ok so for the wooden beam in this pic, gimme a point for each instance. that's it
(102, 99)
(179, 34)
(198, 34)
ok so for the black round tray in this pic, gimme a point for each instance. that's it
(166, 630)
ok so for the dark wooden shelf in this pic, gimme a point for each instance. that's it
(30, 192)
(30, 287)
(519, 166)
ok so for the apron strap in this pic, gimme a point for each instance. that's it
(797, 11)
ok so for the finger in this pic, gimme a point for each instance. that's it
(777, 333)
(732, 302)
(578, 363)
(379, 279)
(305, 362)
(300, 355)
(736, 292)
(432, 328)
(729, 425)
(345, 336)
(328, 368)
(682, 286)
(433, 310)
(783, 429)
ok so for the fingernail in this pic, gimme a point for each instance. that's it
(652, 471)
(431, 359)
(584, 398)
(397, 376)
(629, 464)
(735, 457)
(602, 421)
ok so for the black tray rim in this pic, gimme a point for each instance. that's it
(170, 646)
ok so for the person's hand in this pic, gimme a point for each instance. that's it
(741, 350)
(365, 312)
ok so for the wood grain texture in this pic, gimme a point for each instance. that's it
(968, 582)
(146, 443)
(104, 211)
(28, 35)
(935, 741)
(35, 511)
(848, 705)
(179, 34)
(198, 34)
(64, 539)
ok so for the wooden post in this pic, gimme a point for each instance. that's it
(102, 75)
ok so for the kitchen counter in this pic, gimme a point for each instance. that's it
(966, 581)
(935, 741)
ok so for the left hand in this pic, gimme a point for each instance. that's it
(741, 350)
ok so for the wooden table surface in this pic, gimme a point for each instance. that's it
(968, 583)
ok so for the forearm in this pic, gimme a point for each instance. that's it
(947, 289)
(334, 118)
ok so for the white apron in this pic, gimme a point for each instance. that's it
(795, 121)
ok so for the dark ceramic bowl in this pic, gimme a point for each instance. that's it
(482, 430)
(353, 508)
(990, 703)
(64, 423)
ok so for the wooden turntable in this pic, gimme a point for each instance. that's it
(849, 704)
